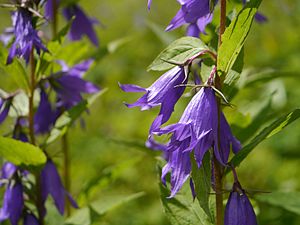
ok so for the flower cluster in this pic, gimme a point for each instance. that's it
(58, 92)
(197, 14)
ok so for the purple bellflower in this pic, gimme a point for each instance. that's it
(7, 172)
(82, 24)
(69, 85)
(238, 208)
(149, 4)
(196, 13)
(26, 37)
(52, 185)
(45, 116)
(164, 92)
(13, 203)
(196, 130)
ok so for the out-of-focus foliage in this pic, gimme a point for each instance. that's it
(109, 157)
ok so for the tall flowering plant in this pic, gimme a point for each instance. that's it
(201, 146)
(29, 175)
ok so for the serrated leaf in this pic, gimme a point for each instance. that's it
(181, 210)
(179, 52)
(202, 180)
(235, 36)
(269, 131)
(63, 123)
(20, 153)
(289, 201)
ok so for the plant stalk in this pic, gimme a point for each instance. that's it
(39, 202)
(55, 20)
(218, 168)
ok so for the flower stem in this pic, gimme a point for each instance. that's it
(218, 168)
(39, 203)
(55, 20)
(66, 172)
(222, 20)
(31, 98)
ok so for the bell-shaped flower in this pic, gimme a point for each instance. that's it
(13, 203)
(238, 208)
(82, 24)
(164, 92)
(45, 116)
(196, 13)
(197, 131)
(69, 85)
(51, 184)
(26, 37)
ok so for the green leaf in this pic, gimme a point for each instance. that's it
(181, 210)
(235, 36)
(289, 201)
(178, 52)
(15, 70)
(86, 215)
(202, 180)
(268, 132)
(21, 153)
(64, 122)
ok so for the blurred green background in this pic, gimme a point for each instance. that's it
(108, 155)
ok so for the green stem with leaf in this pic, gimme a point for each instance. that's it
(218, 168)
(39, 202)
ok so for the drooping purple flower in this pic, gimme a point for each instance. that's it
(49, 8)
(69, 85)
(238, 208)
(8, 170)
(196, 13)
(52, 185)
(30, 219)
(26, 37)
(164, 92)
(13, 203)
(45, 116)
(197, 131)
(82, 24)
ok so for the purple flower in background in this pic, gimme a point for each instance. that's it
(49, 8)
(164, 92)
(52, 185)
(149, 3)
(30, 219)
(196, 13)
(13, 203)
(26, 37)
(68, 84)
(82, 24)
(18, 132)
(44, 117)
(196, 130)
(238, 208)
